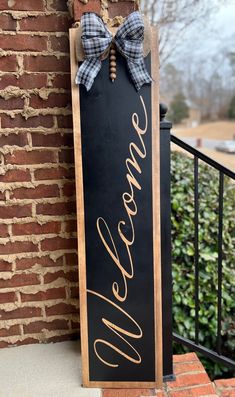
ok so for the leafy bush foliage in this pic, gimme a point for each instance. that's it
(183, 256)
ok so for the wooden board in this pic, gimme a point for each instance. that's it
(116, 142)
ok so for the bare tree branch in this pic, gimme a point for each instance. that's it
(174, 18)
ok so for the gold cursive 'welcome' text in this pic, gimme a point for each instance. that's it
(137, 152)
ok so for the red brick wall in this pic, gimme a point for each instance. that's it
(38, 261)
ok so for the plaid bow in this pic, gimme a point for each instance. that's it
(96, 39)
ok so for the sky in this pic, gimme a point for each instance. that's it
(220, 31)
(210, 38)
(223, 28)
(225, 20)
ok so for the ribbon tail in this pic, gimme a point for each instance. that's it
(87, 72)
(139, 73)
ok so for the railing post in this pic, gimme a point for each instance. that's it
(165, 177)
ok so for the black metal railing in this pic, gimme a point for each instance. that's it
(215, 354)
(168, 336)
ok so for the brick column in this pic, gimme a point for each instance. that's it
(38, 262)
(109, 10)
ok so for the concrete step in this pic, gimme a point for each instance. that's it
(54, 370)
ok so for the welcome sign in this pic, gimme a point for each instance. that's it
(116, 141)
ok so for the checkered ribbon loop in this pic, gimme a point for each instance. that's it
(96, 39)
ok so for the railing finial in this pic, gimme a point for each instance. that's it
(163, 111)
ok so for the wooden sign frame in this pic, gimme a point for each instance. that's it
(87, 381)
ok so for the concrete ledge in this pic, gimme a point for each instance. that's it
(52, 370)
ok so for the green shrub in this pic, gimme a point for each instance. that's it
(182, 194)
(178, 109)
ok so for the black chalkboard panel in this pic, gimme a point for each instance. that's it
(118, 273)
